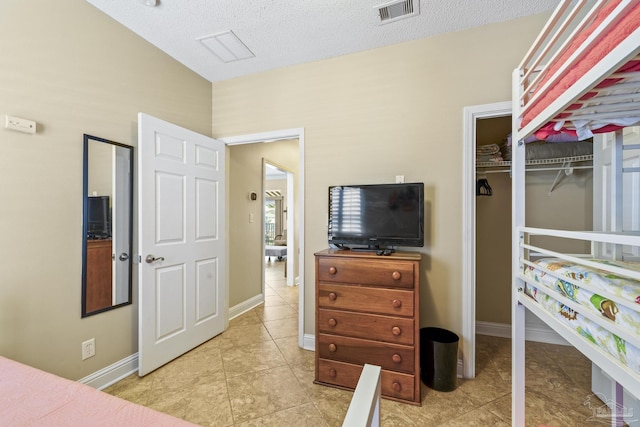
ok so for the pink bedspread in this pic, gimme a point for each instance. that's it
(31, 397)
(624, 27)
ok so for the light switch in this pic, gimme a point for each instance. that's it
(251, 217)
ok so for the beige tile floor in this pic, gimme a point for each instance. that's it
(254, 374)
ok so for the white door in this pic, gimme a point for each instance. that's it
(181, 222)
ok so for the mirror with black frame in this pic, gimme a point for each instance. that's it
(107, 225)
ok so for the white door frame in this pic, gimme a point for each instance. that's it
(272, 136)
(471, 115)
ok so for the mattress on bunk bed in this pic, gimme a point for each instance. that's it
(621, 287)
(31, 397)
(625, 26)
(626, 353)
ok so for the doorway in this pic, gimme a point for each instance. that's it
(306, 342)
(471, 116)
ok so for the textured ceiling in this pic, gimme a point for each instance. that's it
(285, 32)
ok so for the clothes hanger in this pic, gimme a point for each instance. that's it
(482, 186)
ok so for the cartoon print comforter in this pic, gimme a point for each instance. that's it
(624, 288)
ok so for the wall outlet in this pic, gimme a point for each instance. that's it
(399, 179)
(88, 348)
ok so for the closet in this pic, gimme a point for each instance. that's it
(564, 192)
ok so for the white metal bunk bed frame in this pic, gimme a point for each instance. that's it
(547, 47)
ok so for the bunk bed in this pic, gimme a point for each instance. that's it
(582, 77)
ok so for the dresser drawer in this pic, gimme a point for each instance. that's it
(397, 302)
(397, 330)
(366, 271)
(355, 350)
(393, 384)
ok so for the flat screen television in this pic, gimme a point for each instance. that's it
(98, 217)
(374, 217)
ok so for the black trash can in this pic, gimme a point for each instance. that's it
(439, 358)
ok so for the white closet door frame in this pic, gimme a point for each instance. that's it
(471, 115)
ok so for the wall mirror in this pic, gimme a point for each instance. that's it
(107, 225)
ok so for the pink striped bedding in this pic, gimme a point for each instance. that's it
(626, 25)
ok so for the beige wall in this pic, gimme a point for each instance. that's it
(245, 243)
(73, 70)
(374, 115)
(493, 234)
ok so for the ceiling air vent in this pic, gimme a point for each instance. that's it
(398, 9)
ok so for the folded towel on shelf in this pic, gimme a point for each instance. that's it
(487, 149)
(488, 153)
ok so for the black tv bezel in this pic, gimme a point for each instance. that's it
(379, 242)
(104, 230)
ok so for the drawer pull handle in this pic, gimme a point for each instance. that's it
(396, 275)
(397, 386)
(332, 373)
(396, 303)
(332, 348)
(396, 358)
(396, 331)
(333, 322)
(332, 270)
(332, 296)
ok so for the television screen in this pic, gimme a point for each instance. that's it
(98, 217)
(377, 216)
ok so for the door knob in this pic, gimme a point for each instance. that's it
(151, 259)
(123, 256)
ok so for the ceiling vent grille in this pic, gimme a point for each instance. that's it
(398, 9)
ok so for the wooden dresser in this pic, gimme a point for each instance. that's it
(99, 275)
(367, 312)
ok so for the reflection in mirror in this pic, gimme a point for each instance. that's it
(107, 225)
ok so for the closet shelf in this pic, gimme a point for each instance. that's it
(536, 162)
(566, 166)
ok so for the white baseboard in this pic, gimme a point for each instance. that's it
(493, 329)
(129, 365)
(112, 373)
(309, 342)
(245, 306)
(534, 331)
